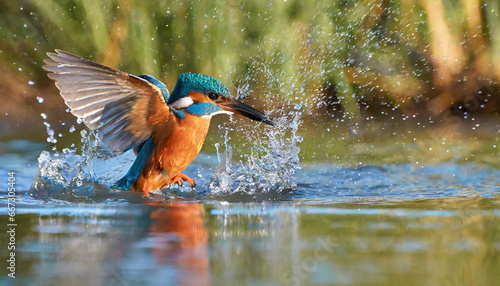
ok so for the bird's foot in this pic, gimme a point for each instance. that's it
(178, 179)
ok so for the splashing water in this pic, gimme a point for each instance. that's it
(60, 173)
(69, 173)
(270, 167)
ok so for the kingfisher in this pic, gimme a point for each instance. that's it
(165, 130)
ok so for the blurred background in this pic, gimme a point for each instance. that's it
(359, 71)
(394, 106)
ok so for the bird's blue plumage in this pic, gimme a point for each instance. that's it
(135, 171)
(203, 108)
(159, 84)
(198, 109)
(191, 82)
(188, 82)
(179, 113)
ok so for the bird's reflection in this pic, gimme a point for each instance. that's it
(180, 238)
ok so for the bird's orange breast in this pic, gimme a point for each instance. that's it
(180, 143)
(177, 143)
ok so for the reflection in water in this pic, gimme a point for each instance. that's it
(440, 242)
(356, 244)
(180, 238)
(386, 225)
(102, 244)
(255, 242)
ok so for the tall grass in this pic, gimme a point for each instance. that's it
(359, 54)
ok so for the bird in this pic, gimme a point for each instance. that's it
(165, 130)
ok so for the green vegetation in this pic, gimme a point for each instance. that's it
(380, 63)
(411, 55)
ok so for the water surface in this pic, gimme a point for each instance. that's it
(385, 225)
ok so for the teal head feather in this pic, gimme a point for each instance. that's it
(188, 82)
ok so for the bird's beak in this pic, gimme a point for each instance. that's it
(239, 107)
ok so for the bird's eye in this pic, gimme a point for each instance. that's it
(213, 95)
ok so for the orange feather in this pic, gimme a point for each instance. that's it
(177, 143)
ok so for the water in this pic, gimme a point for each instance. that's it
(355, 216)
(394, 179)
(325, 223)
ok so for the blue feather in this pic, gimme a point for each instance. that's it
(201, 83)
(179, 113)
(203, 108)
(135, 171)
(159, 84)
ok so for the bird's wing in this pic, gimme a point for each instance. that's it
(121, 107)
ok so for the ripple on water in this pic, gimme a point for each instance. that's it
(400, 182)
(72, 178)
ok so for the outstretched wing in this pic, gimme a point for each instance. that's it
(121, 107)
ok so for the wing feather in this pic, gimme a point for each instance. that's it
(121, 107)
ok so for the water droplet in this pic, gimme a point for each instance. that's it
(40, 99)
(44, 116)
(31, 82)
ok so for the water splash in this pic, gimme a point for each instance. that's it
(270, 167)
(68, 174)
(60, 174)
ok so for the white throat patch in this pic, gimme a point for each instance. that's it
(182, 102)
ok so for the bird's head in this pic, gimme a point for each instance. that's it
(202, 95)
